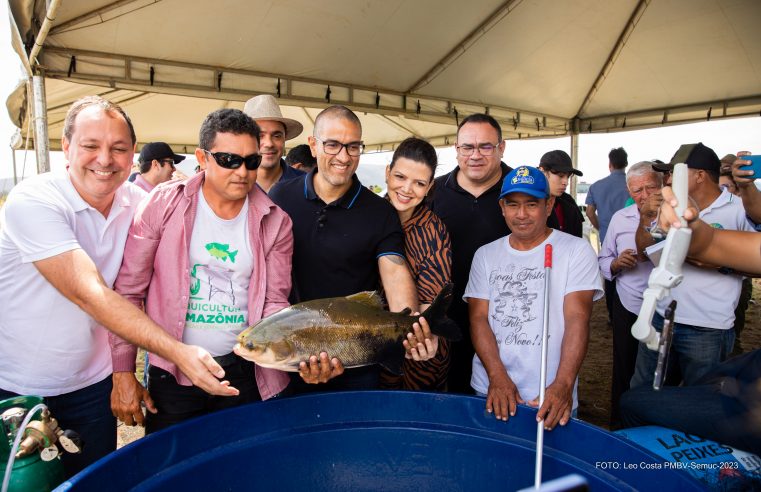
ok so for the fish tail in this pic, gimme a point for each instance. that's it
(232, 255)
(436, 315)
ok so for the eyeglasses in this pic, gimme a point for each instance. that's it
(167, 161)
(485, 149)
(234, 161)
(333, 147)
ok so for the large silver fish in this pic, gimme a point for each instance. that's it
(355, 329)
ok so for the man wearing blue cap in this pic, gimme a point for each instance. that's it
(504, 296)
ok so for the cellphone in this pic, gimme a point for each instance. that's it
(755, 165)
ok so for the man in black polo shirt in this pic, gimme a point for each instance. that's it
(467, 200)
(566, 216)
(346, 239)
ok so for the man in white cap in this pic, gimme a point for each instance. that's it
(275, 130)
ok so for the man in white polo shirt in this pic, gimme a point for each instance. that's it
(61, 246)
(707, 297)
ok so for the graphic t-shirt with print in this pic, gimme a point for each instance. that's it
(513, 283)
(221, 263)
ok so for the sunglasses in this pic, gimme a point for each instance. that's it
(234, 161)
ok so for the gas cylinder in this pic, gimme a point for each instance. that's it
(40, 468)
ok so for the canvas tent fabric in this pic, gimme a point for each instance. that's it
(541, 67)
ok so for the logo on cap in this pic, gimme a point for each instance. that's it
(522, 176)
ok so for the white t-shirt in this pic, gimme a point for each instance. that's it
(706, 297)
(513, 283)
(49, 345)
(221, 263)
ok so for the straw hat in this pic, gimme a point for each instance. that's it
(265, 107)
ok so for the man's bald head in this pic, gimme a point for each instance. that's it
(333, 113)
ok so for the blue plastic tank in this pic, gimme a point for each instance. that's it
(373, 441)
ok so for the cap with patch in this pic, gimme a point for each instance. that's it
(158, 151)
(700, 157)
(558, 161)
(528, 180)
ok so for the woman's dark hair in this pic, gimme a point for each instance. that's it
(417, 150)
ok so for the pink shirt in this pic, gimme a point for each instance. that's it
(143, 183)
(155, 269)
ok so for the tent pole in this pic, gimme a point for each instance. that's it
(574, 158)
(41, 143)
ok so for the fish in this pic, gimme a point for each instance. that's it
(219, 251)
(355, 329)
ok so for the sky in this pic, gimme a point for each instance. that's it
(724, 136)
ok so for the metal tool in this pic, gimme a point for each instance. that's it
(664, 346)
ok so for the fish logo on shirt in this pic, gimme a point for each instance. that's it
(220, 252)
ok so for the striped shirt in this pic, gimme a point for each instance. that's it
(429, 254)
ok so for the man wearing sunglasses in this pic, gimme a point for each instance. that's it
(347, 240)
(157, 163)
(207, 257)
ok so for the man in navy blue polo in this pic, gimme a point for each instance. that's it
(346, 240)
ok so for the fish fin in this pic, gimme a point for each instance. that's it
(394, 360)
(436, 315)
(405, 312)
(368, 297)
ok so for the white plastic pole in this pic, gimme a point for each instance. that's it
(543, 370)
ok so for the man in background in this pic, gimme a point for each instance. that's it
(157, 163)
(566, 216)
(275, 131)
(300, 157)
(606, 197)
(703, 322)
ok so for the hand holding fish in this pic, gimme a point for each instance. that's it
(320, 370)
(126, 396)
(557, 406)
(421, 344)
(503, 396)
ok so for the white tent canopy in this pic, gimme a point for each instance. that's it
(541, 67)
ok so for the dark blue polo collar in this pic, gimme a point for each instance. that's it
(347, 199)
